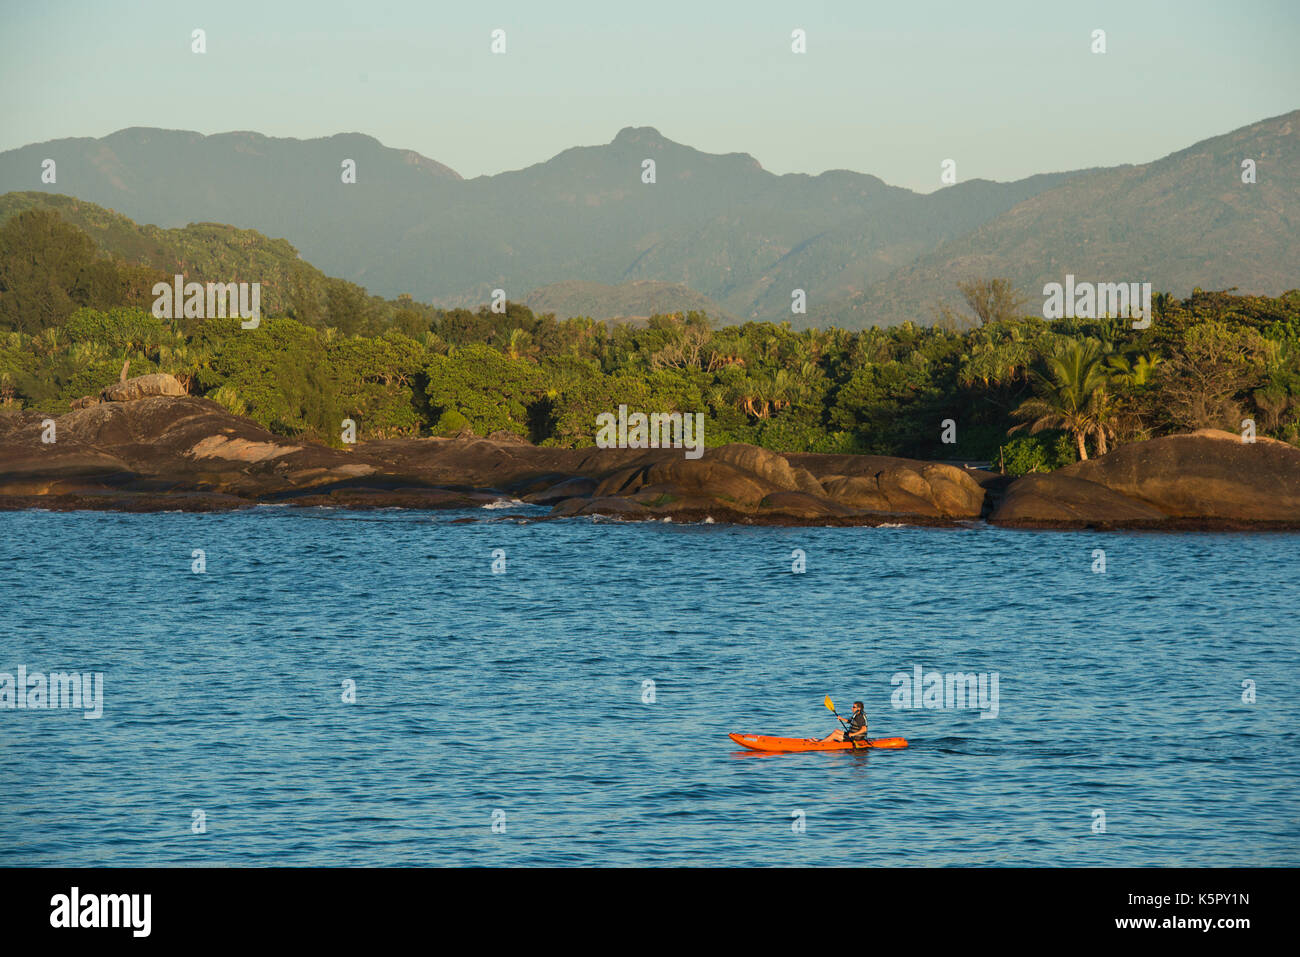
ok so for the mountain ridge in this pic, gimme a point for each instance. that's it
(719, 224)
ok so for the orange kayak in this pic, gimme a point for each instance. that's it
(766, 742)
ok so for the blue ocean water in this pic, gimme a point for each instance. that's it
(523, 694)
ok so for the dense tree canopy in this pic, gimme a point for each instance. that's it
(1023, 392)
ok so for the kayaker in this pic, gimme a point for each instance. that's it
(857, 726)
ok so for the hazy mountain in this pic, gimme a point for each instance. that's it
(281, 187)
(638, 299)
(718, 224)
(738, 236)
(1184, 221)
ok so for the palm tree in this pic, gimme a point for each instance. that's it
(139, 341)
(184, 362)
(1103, 419)
(1132, 372)
(1072, 396)
(88, 353)
(583, 331)
(809, 379)
(748, 395)
(784, 389)
(719, 397)
(520, 344)
(1160, 304)
(48, 341)
(435, 344)
(728, 353)
(8, 390)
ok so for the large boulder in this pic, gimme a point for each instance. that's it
(906, 490)
(932, 490)
(609, 506)
(857, 491)
(155, 383)
(1206, 476)
(559, 491)
(712, 477)
(804, 507)
(159, 447)
(50, 469)
(771, 467)
(1050, 500)
(953, 491)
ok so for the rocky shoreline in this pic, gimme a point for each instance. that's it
(166, 452)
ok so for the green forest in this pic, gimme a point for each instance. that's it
(1025, 394)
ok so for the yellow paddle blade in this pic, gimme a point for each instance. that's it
(830, 705)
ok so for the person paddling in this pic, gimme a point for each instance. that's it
(857, 726)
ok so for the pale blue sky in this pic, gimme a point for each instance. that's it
(1008, 89)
